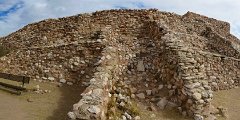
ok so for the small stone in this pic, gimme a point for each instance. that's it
(211, 117)
(82, 72)
(171, 105)
(37, 88)
(162, 103)
(63, 81)
(122, 104)
(169, 86)
(141, 95)
(223, 111)
(184, 113)
(124, 117)
(45, 91)
(129, 117)
(29, 100)
(198, 117)
(51, 78)
(76, 63)
(140, 66)
(160, 87)
(133, 90)
(94, 109)
(132, 95)
(152, 115)
(197, 96)
(213, 109)
(108, 57)
(72, 116)
(137, 118)
(153, 108)
(149, 92)
(69, 83)
(59, 84)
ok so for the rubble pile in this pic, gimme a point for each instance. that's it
(158, 58)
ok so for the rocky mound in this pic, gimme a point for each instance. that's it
(155, 57)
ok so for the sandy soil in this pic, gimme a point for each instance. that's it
(47, 106)
(229, 99)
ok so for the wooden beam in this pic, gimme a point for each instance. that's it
(12, 86)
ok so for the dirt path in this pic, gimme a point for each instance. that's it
(11, 108)
(48, 106)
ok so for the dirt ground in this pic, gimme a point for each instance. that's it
(56, 104)
(166, 114)
(48, 106)
(229, 99)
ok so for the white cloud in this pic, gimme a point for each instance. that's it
(35, 10)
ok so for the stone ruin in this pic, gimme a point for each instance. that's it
(129, 54)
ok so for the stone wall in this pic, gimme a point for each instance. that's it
(186, 53)
(221, 27)
(222, 71)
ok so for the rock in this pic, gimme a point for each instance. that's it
(72, 116)
(169, 86)
(132, 95)
(137, 118)
(122, 104)
(211, 117)
(213, 110)
(37, 88)
(152, 108)
(223, 111)
(29, 100)
(59, 84)
(46, 91)
(69, 83)
(63, 81)
(129, 117)
(133, 90)
(108, 57)
(160, 87)
(120, 96)
(162, 103)
(184, 113)
(198, 117)
(140, 66)
(76, 63)
(171, 104)
(141, 95)
(124, 117)
(197, 96)
(51, 78)
(152, 115)
(94, 109)
(149, 92)
(97, 93)
(44, 78)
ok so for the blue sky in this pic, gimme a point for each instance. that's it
(14, 14)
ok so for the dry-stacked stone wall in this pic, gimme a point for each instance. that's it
(192, 88)
(222, 71)
(190, 54)
(110, 67)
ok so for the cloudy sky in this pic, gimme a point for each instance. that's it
(14, 14)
